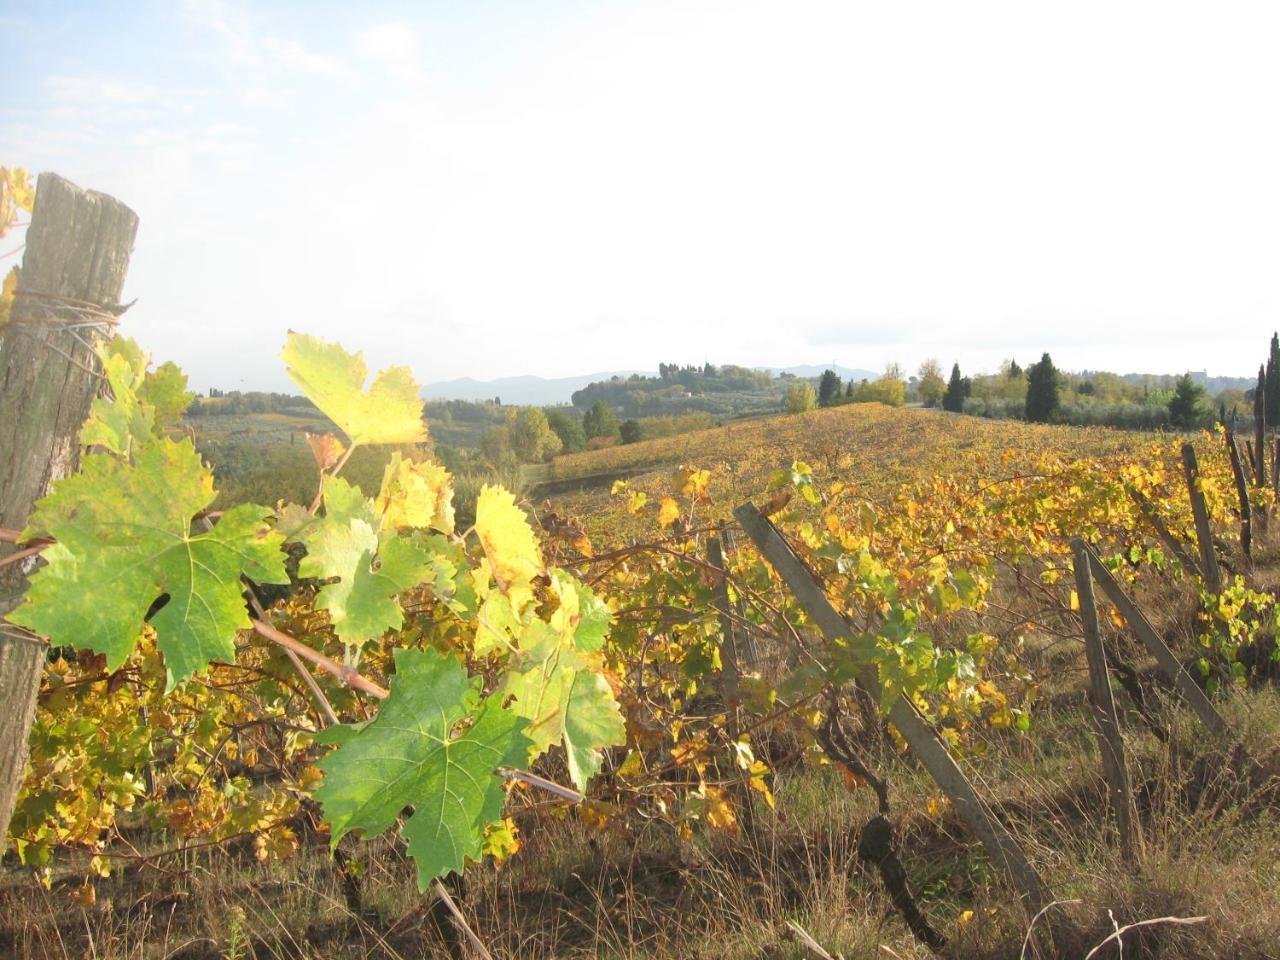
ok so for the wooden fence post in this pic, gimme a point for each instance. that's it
(1169, 664)
(748, 651)
(73, 269)
(728, 636)
(1260, 427)
(1110, 742)
(1204, 533)
(920, 736)
(1173, 543)
(1275, 468)
(1242, 494)
(729, 633)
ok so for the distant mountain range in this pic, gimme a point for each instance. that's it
(547, 391)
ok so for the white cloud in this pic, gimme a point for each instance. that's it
(246, 40)
(396, 47)
(742, 182)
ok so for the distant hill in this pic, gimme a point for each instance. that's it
(1213, 385)
(521, 391)
(844, 373)
(545, 391)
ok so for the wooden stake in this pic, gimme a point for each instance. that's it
(1170, 665)
(1110, 743)
(920, 736)
(1209, 569)
(1176, 546)
(1242, 494)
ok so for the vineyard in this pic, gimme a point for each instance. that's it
(854, 682)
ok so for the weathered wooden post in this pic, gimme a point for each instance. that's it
(1172, 667)
(77, 253)
(1260, 427)
(1260, 442)
(1173, 543)
(1242, 494)
(1103, 704)
(919, 735)
(1209, 569)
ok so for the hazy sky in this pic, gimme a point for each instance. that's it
(489, 189)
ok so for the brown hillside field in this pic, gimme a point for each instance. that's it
(1205, 880)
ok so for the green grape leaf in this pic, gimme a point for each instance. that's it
(165, 389)
(365, 606)
(511, 550)
(124, 540)
(582, 615)
(566, 698)
(390, 411)
(451, 577)
(118, 421)
(497, 624)
(139, 402)
(371, 570)
(419, 752)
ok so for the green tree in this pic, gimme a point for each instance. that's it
(600, 421)
(932, 387)
(800, 397)
(957, 391)
(1042, 390)
(1186, 406)
(1273, 382)
(888, 390)
(630, 431)
(532, 439)
(496, 447)
(828, 388)
(568, 428)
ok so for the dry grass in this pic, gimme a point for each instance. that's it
(1211, 847)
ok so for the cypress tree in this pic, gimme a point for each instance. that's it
(957, 390)
(1042, 390)
(828, 388)
(1273, 382)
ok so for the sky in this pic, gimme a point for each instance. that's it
(491, 189)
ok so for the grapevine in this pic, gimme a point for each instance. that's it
(138, 560)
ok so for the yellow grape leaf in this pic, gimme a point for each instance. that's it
(694, 483)
(510, 548)
(668, 512)
(566, 698)
(7, 290)
(415, 495)
(16, 193)
(501, 839)
(390, 411)
(711, 805)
